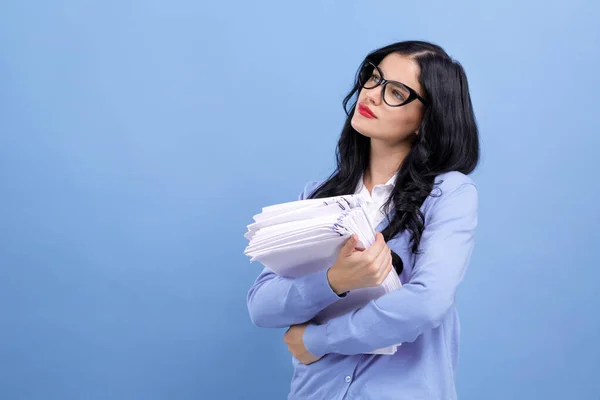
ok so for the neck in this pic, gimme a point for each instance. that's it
(384, 162)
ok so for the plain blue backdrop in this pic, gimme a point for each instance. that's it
(138, 139)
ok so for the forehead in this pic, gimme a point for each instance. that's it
(396, 67)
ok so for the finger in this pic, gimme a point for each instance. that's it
(382, 246)
(350, 243)
(387, 265)
(388, 257)
(381, 259)
(385, 268)
(374, 264)
(390, 266)
(377, 246)
(356, 244)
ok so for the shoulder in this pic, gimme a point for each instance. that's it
(309, 188)
(450, 181)
(453, 193)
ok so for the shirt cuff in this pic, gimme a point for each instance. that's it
(315, 339)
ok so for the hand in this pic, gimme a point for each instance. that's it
(293, 337)
(357, 268)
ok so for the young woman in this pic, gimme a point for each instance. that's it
(408, 144)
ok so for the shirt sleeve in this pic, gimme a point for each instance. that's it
(277, 302)
(421, 303)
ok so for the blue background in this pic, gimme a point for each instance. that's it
(138, 139)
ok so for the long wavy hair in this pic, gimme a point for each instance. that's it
(448, 140)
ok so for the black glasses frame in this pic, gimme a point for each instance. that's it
(413, 95)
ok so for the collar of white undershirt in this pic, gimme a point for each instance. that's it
(361, 185)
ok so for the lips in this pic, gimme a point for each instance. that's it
(366, 110)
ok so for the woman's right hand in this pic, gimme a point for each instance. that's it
(356, 268)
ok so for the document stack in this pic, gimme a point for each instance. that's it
(305, 236)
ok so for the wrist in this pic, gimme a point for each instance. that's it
(335, 283)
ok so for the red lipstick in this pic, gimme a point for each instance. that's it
(365, 111)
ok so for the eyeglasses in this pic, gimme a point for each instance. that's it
(393, 93)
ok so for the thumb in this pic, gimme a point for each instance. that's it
(350, 244)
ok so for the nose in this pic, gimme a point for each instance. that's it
(373, 96)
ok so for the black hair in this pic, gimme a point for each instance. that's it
(447, 141)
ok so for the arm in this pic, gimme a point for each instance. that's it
(420, 304)
(276, 302)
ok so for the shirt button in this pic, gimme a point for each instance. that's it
(348, 378)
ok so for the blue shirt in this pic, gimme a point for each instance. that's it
(421, 314)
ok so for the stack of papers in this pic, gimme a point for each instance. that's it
(305, 236)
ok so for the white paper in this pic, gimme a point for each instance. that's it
(305, 236)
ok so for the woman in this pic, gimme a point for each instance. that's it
(408, 146)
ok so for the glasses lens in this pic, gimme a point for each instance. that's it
(395, 94)
(369, 76)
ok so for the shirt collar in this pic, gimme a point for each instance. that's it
(391, 182)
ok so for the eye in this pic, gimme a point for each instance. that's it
(398, 94)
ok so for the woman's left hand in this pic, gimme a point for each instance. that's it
(293, 338)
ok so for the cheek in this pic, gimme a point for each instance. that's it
(396, 120)
(399, 125)
(405, 120)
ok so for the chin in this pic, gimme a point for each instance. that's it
(365, 128)
(360, 126)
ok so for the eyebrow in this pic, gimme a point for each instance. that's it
(378, 69)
